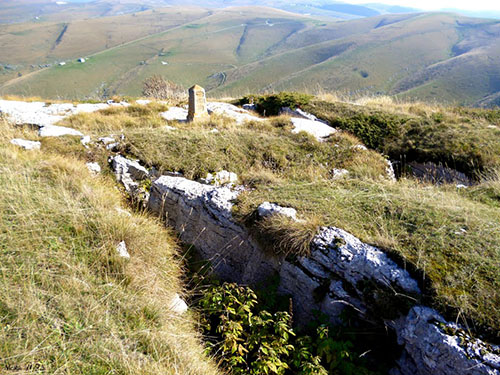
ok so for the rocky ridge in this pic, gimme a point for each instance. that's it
(341, 271)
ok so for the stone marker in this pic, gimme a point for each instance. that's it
(197, 103)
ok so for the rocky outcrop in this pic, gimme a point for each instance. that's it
(201, 214)
(128, 173)
(433, 346)
(340, 272)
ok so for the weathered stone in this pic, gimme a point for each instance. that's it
(429, 350)
(58, 131)
(27, 145)
(94, 168)
(316, 128)
(177, 305)
(330, 279)
(338, 173)
(268, 209)
(197, 103)
(121, 248)
(128, 172)
(236, 113)
(221, 178)
(202, 216)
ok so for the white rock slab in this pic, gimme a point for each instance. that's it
(27, 145)
(175, 114)
(268, 209)
(58, 131)
(315, 128)
(225, 109)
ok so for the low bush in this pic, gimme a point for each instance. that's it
(270, 105)
(250, 340)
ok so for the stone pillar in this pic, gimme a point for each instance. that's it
(197, 103)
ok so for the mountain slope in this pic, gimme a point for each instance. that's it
(430, 56)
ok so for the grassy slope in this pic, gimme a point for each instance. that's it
(439, 56)
(68, 303)
(450, 235)
(35, 42)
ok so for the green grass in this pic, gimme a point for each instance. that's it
(68, 302)
(449, 237)
(464, 139)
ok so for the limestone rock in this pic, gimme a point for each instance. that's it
(85, 140)
(57, 131)
(316, 128)
(299, 113)
(94, 168)
(27, 145)
(177, 305)
(359, 147)
(221, 178)
(122, 250)
(40, 114)
(128, 172)
(268, 209)
(106, 140)
(225, 109)
(175, 114)
(429, 350)
(202, 216)
(338, 173)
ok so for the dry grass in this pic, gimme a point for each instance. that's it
(68, 302)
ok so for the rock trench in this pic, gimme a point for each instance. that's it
(341, 271)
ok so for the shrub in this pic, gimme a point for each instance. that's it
(159, 88)
(255, 341)
(270, 105)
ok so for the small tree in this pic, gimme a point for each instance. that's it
(159, 88)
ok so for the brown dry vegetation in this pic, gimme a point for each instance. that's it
(68, 302)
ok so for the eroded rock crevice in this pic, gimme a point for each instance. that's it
(340, 272)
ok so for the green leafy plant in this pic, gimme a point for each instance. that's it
(255, 341)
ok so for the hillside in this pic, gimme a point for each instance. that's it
(407, 254)
(68, 302)
(232, 51)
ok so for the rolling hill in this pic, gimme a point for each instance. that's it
(430, 56)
